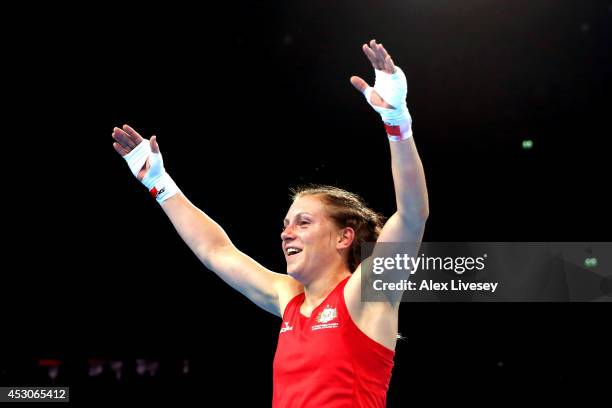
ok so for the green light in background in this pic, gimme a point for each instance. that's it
(590, 262)
(527, 144)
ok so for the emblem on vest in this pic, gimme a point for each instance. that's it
(286, 327)
(324, 317)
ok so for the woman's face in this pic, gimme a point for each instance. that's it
(309, 238)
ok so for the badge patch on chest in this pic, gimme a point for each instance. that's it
(327, 315)
(324, 317)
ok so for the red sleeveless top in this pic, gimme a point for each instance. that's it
(325, 360)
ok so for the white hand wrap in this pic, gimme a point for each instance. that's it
(393, 88)
(137, 158)
(160, 184)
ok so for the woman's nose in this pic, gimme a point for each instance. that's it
(287, 233)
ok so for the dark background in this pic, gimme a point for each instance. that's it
(249, 99)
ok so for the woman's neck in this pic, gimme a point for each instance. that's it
(317, 290)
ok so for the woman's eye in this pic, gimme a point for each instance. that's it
(304, 222)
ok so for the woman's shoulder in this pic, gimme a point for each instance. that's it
(288, 289)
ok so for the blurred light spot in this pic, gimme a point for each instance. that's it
(287, 39)
(527, 144)
(53, 372)
(96, 367)
(141, 366)
(152, 368)
(117, 367)
(149, 367)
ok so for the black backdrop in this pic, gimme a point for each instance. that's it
(248, 99)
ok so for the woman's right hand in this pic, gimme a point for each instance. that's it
(145, 161)
(126, 140)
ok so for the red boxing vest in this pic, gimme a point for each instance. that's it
(325, 360)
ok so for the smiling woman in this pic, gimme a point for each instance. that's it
(346, 209)
(334, 350)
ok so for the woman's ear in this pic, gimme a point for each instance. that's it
(345, 238)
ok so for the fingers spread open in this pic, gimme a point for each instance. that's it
(376, 50)
(359, 83)
(123, 139)
(377, 61)
(382, 51)
(370, 54)
(133, 135)
(154, 145)
(389, 65)
(120, 149)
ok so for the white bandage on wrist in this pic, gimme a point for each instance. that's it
(392, 88)
(158, 182)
